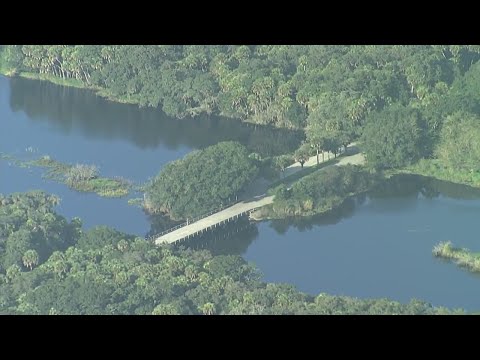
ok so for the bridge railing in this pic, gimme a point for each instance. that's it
(190, 221)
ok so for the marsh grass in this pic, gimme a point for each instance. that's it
(461, 256)
(136, 202)
(80, 177)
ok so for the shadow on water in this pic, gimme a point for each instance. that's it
(236, 237)
(232, 238)
(405, 187)
(159, 223)
(305, 223)
(79, 110)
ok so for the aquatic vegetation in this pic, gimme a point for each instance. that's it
(462, 257)
(80, 173)
(136, 202)
(80, 177)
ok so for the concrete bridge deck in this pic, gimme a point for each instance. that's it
(212, 221)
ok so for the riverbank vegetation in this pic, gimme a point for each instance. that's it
(202, 181)
(80, 177)
(83, 177)
(462, 257)
(398, 97)
(318, 192)
(51, 266)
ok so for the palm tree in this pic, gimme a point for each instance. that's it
(122, 245)
(60, 268)
(12, 272)
(165, 309)
(30, 259)
(208, 309)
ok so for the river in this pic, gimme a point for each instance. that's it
(376, 245)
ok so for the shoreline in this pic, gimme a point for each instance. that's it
(74, 83)
(440, 173)
(105, 94)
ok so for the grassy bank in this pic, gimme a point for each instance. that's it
(462, 257)
(434, 168)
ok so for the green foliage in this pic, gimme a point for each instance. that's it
(320, 191)
(302, 154)
(82, 177)
(435, 168)
(397, 96)
(283, 161)
(108, 272)
(202, 181)
(101, 236)
(462, 257)
(281, 85)
(30, 230)
(80, 172)
(11, 59)
(392, 138)
(459, 146)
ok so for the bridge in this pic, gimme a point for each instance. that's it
(221, 216)
(212, 221)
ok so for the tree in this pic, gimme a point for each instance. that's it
(318, 140)
(13, 272)
(392, 137)
(30, 259)
(329, 125)
(459, 146)
(203, 181)
(166, 309)
(282, 162)
(208, 309)
(302, 154)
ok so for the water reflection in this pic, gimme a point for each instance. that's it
(72, 110)
(380, 245)
(405, 188)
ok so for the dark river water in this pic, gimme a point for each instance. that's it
(376, 245)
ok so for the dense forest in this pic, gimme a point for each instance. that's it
(334, 93)
(51, 266)
(412, 108)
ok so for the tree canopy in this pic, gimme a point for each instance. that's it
(280, 85)
(459, 146)
(202, 181)
(392, 138)
(115, 273)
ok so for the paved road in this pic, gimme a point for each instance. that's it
(240, 208)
